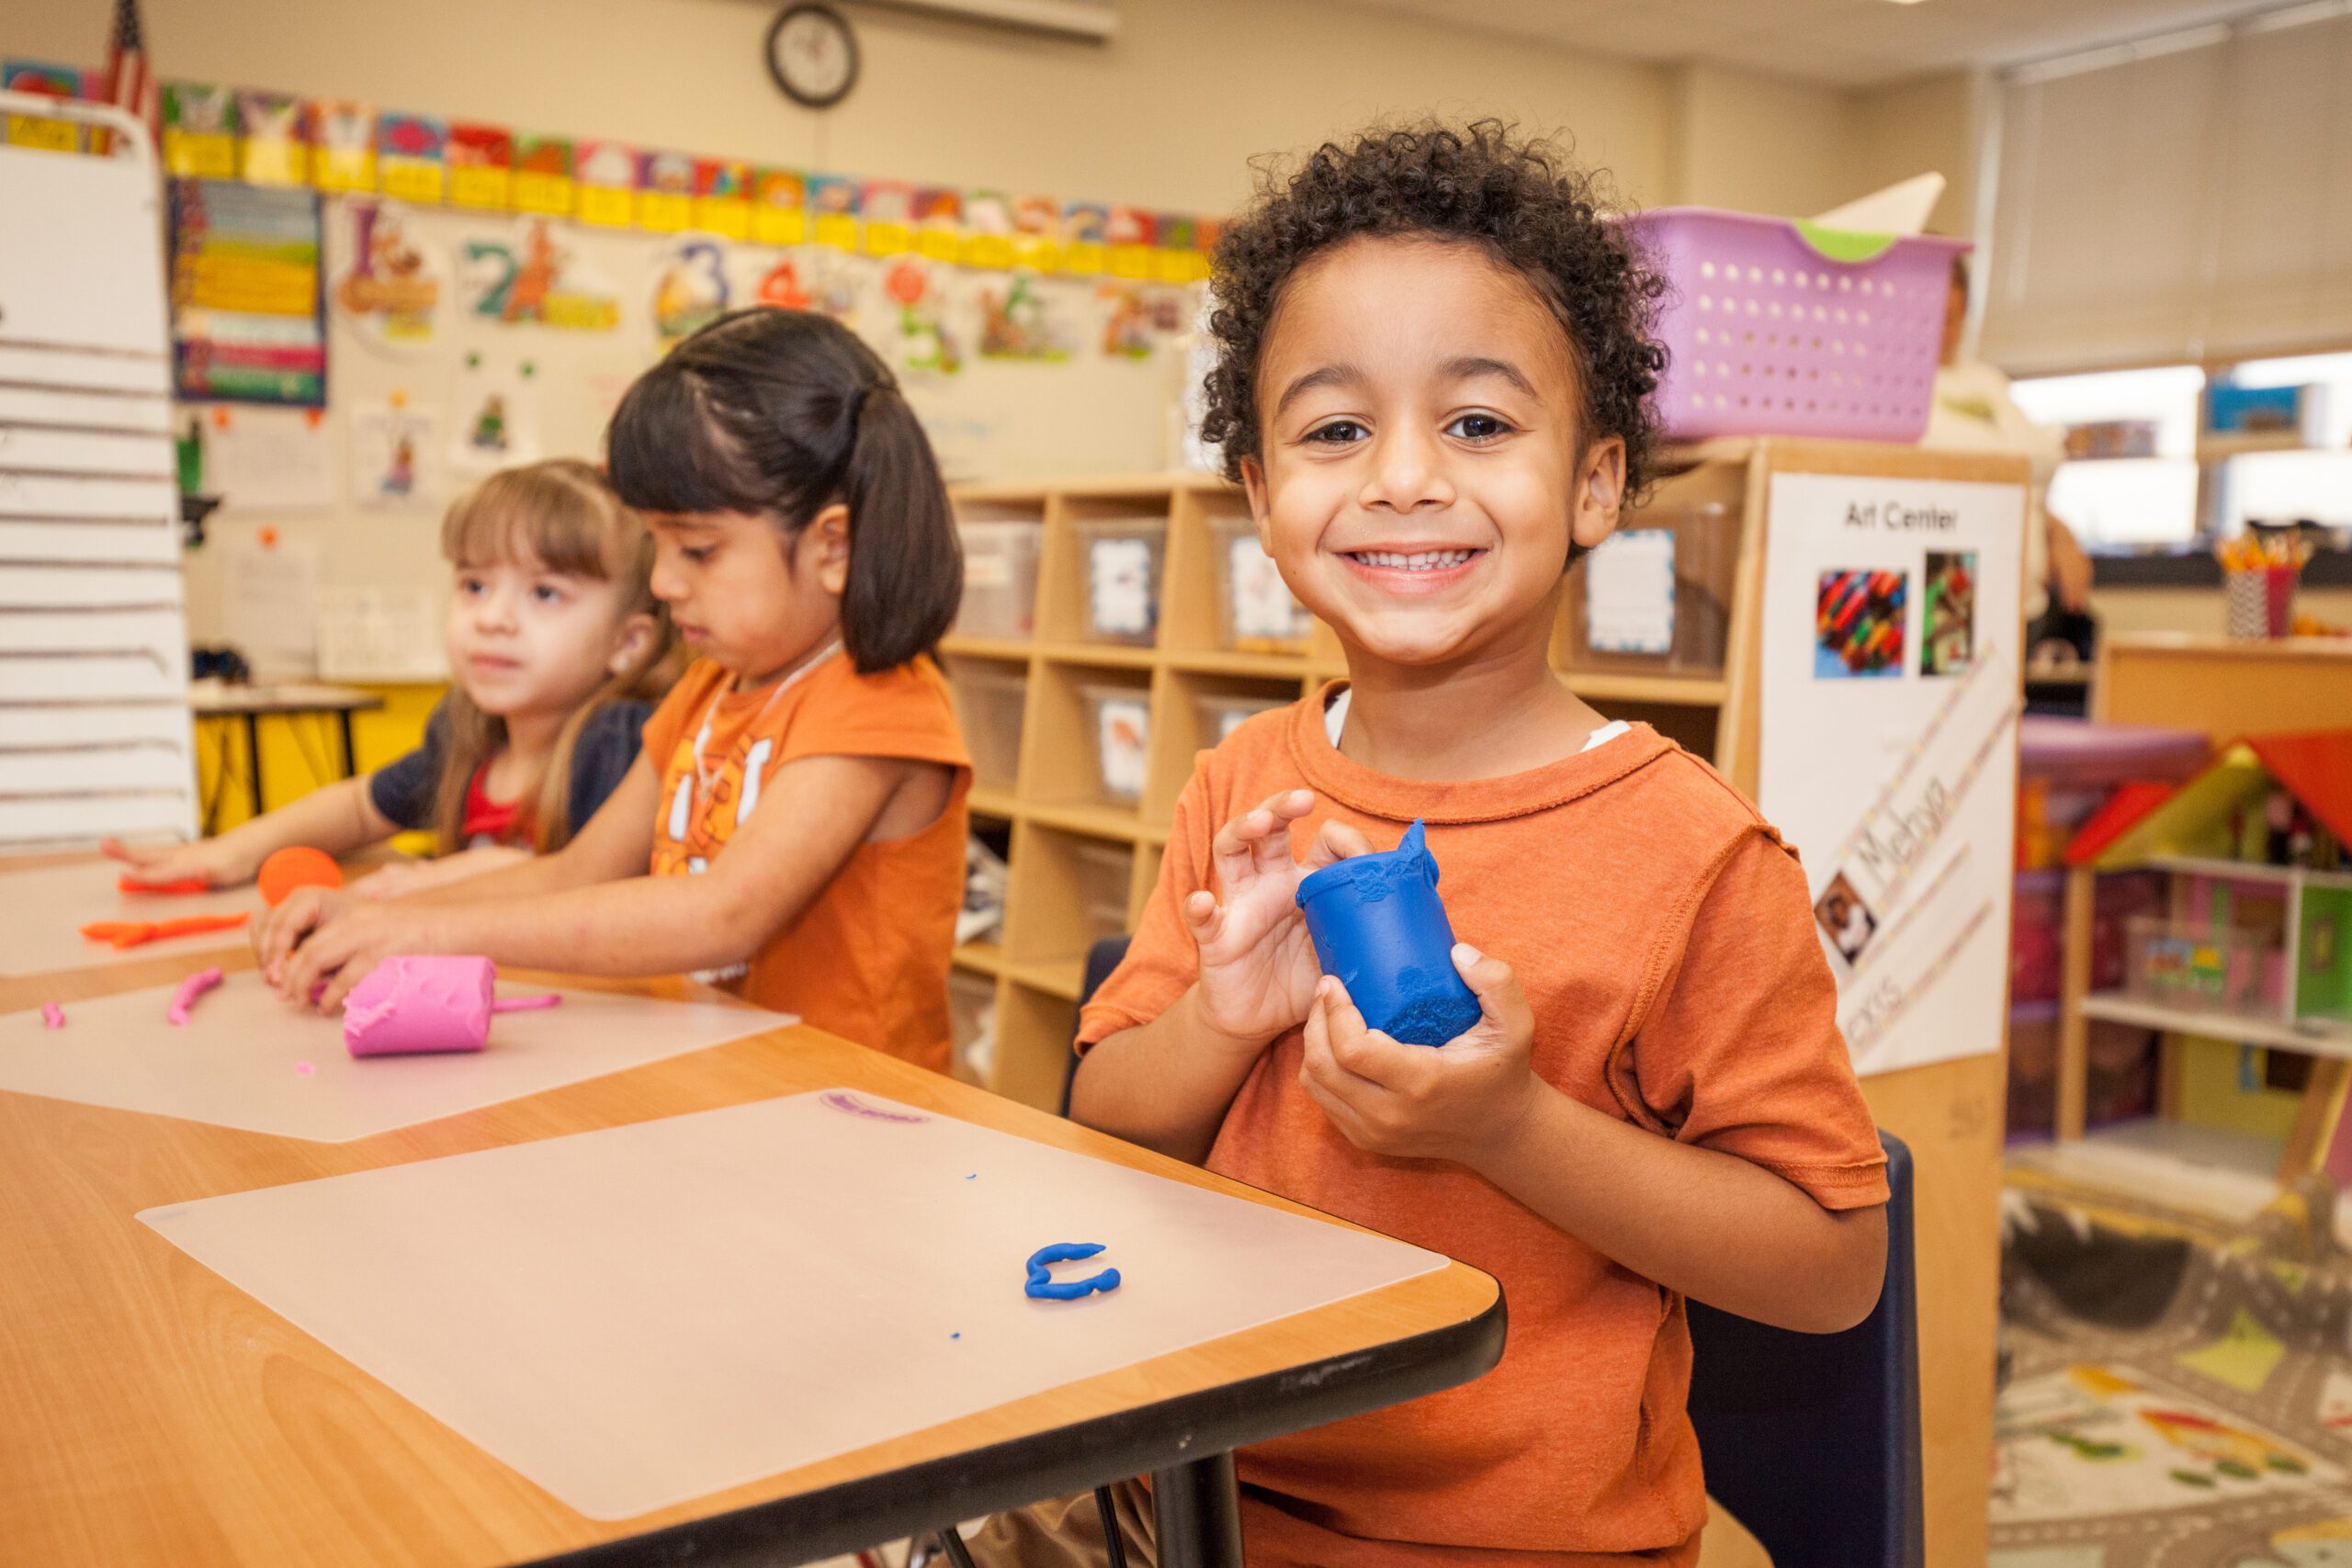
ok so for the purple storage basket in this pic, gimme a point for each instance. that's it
(1767, 332)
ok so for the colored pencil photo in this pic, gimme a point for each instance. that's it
(1858, 624)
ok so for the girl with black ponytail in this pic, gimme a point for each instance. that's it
(800, 800)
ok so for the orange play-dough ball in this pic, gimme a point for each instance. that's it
(296, 865)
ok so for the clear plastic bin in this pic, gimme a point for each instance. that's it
(989, 703)
(2186, 963)
(1101, 872)
(999, 578)
(1118, 729)
(1255, 611)
(1122, 557)
(1656, 598)
(1222, 713)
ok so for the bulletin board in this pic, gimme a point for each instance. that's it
(459, 342)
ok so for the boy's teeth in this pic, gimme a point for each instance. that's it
(1427, 561)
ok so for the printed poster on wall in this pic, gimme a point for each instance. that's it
(248, 318)
(391, 285)
(1890, 689)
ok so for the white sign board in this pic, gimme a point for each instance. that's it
(1892, 613)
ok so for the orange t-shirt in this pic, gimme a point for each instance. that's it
(1663, 934)
(867, 959)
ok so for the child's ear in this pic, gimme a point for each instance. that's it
(824, 545)
(1600, 493)
(1253, 485)
(633, 641)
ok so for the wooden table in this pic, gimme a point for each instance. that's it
(212, 699)
(157, 1414)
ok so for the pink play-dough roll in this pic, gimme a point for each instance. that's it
(411, 1005)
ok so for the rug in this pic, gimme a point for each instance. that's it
(2175, 1394)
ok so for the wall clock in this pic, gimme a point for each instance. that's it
(812, 54)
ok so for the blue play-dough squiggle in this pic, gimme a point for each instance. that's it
(1045, 1287)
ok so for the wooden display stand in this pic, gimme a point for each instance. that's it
(1950, 1113)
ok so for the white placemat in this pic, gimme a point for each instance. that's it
(42, 913)
(645, 1315)
(240, 1060)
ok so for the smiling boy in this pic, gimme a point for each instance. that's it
(1432, 362)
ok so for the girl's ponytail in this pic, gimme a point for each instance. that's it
(784, 414)
(906, 564)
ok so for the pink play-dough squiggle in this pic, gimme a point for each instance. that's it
(195, 985)
(407, 1006)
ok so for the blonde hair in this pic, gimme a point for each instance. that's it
(561, 515)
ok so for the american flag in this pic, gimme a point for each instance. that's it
(127, 86)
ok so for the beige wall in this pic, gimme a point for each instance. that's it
(1929, 122)
(1168, 115)
(2122, 610)
(1763, 143)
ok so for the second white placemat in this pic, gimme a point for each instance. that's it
(645, 1315)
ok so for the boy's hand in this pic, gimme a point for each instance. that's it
(1258, 967)
(1414, 1103)
(318, 943)
(210, 859)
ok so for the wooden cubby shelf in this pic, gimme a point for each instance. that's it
(1032, 705)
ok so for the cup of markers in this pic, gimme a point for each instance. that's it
(2258, 576)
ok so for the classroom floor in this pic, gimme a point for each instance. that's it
(2177, 1389)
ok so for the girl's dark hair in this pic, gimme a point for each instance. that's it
(785, 412)
(1518, 199)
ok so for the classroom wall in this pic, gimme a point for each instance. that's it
(1169, 115)
(1934, 121)
(1165, 115)
(2198, 610)
(1760, 142)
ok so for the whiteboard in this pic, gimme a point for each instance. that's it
(94, 736)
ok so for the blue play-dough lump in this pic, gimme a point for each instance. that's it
(1378, 926)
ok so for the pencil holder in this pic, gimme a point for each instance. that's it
(1378, 926)
(2258, 601)
(2278, 599)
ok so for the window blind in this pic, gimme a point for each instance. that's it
(2184, 199)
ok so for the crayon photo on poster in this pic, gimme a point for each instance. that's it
(1948, 612)
(1858, 624)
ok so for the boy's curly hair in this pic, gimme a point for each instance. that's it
(1517, 197)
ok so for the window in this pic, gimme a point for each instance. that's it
(2124, 502)
(2315, 483)
(2185, 197)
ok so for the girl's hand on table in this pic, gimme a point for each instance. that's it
(332, 943)
(213, 860)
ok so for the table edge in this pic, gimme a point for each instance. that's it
(888, 1505)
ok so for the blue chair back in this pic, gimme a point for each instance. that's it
(1813, 1439)
(1100, 959)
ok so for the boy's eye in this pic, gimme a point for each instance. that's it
(695, 553)
(1339, 433)
(1477, 427)
(546, 593)
(469, 586)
